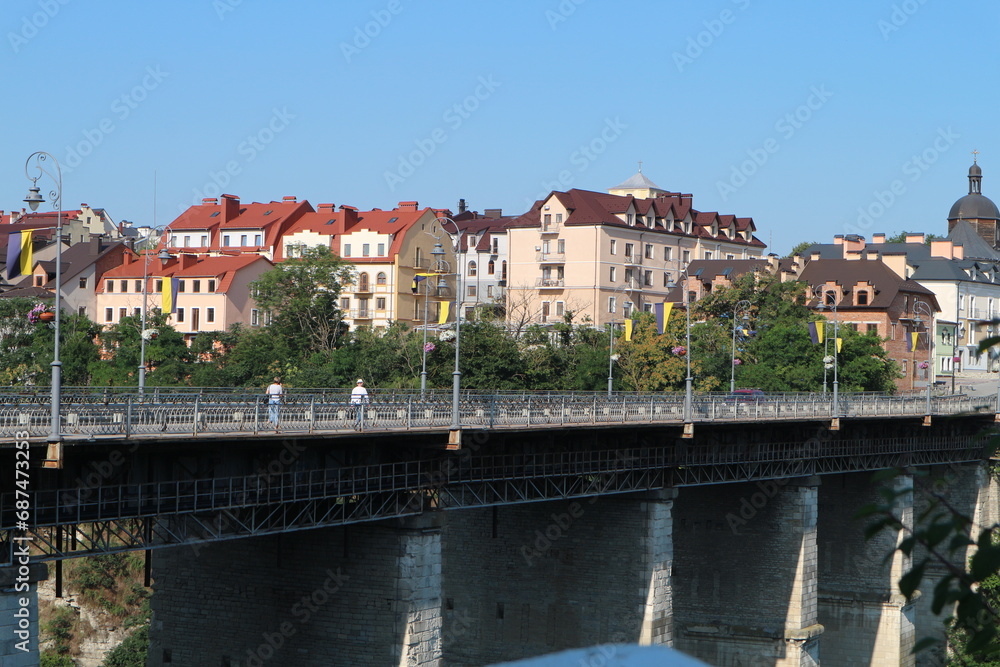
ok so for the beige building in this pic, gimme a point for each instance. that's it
(604, 256)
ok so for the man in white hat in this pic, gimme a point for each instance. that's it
(359, 398)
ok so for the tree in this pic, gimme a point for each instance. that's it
(901, 238)
(132, 651)
(167, 356)
(302, 295)
(799, 248)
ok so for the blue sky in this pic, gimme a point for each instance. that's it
(801, 115)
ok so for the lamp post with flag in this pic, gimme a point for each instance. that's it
(144, 333)
(744, 308)
(823, 295)
(33, 199)
(918, 308)
(437, 253)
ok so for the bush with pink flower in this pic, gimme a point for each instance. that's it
(679, 350)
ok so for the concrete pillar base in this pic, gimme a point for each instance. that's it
(19, 614)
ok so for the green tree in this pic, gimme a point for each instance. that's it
(168, 357)
(132, 651)
(799, 248)
(28, 347)
(901, 238)
(302, 295)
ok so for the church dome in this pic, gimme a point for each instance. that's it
(974, 206)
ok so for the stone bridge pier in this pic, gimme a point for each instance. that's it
(745, 575)
(19, 613)
(366, 594)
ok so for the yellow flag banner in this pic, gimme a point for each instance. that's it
(914, 337)
(628, 329)
(443, 317)
(840, 341)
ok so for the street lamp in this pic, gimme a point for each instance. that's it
(455, 433)
(821, 292)
(688, 426)
(612, 357)
(33, 199)
(740, 307)
(921, 307)
(164, 257)
(437, 253)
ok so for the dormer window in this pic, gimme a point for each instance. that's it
(629, 218)
(862, 298)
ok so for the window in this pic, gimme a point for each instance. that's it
(82, 311)
(195, 285)
(180, 315)
(547, 219)
(612, 274)
(347, 250)
(558, 217)
(628, 275)
(243, 239)
(138, 286)
(612, 304)
(181, 286)
(365, 249)
(204, 241)
(627, 309)
(561, 246)
(862, 298)
(489, 291)
(647, 279)
(254, 318)
(503, 270)
(961, 302)
(496, 246)
(903, 369)
(122, 312)
(83, 283)
(472, 268)
(686, 256)
(225, 239)
(872, 328)
(730, 256)
(380, 278)
(545, 311)
(649, 251)
(381, 250)
(629, 250)
(39, 281)
(666, 279)
(210, 314)
(109, 286)
(363, 282)
(560, 308)
(380, 303)
(345, 304)
(195, 319)
(630, 219)
(491, 267)
(666, 253)
(158, 285)
(257, 239)
(471, 290)
(124, 286)
(708, 254)
(211, 285)
(108, 314)
(187, 241)
(614, 247)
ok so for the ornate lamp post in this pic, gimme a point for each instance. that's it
(33, 199)
(740, 307)
(164, 257)
(918, 308)
(821, 292)
(612, 357)
(437, 253)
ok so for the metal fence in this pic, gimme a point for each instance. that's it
(197, 412)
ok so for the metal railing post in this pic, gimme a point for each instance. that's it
(312, 414)
(196, 415)
(128, 416)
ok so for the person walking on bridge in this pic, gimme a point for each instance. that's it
(359, 399)
(274, 393)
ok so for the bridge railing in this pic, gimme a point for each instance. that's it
(330, 411)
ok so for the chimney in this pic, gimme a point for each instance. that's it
(896, 263)
(289, 199)
(854, 243)
(95, 244)
(838, 239)
(230, 207)
(209, 201)
(406, 206)
(942, 248)
(493, 213)
(187, 260)
(461, 207)
(685, 199)
(127, 257)
(959, 251)
(915, 238)
(327, 207)
(878, 238)
(350, 216)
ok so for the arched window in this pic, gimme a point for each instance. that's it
(503, 270)
(363, 282)
(380, 278)
(472, 268)
(491, 267)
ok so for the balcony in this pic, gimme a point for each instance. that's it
(415, 263)
(981, 314)
(363, 288)
(633, 260)
(550, 257)
(550, 283)
(551, 227)
(362, 313)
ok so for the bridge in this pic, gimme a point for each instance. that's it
(543, 486)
